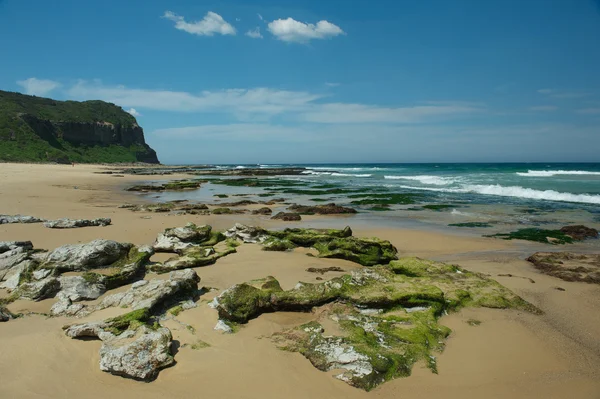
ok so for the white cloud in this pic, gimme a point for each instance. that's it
(242, 101)
(260, 17)
(589, 111)
(554, 93)
(38, 87)
(360, 113)
(331, 84)
(545, 108)
(254, 33)
(290, 30)
(211, 23)
(133, 112)
(261, 104)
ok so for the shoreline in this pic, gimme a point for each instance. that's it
(511, 354)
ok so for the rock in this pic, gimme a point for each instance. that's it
(5, 314)
(580, 232)
(78, 288)
(338, 244)
(5, 219)
(287, 217)
(154, 292)
(130, 347)
(38, 290)
(11, 259)
(192, 257)
(80, 257)
(222, 326)
(568, 266)
(139, 356)
(248, 234)
(74, 223)
(65, 307)
(9, 245)
(262, 211)
(328, 209)
(172, 185)
(179, 238)
(41, 274)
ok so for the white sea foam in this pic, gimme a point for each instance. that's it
(346, 169)
(426, 179)
(516, 191)
(350, 175)
(240, 167)
(312, 172)
(550, 173)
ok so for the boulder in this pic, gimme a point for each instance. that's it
(78, 288)
(138, 355)
(74, 223)
(5, 314)
(146, 294)
(179, 238)
(130, 348)
(81, 257)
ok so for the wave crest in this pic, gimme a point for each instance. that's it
(550, 173)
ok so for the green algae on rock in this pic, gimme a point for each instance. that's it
(471, 224)
(538, 235)
(388, 315)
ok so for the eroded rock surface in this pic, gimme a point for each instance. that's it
(568, 266)
(287, 216)
(388, 315)
(247, 234)
(5, 219)
(130, 346)
(179, 238)
(75, 223)
(79, 257)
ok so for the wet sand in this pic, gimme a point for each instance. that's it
(510, 355)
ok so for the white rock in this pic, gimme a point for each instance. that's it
(222, 326)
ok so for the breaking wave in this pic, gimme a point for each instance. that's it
(517, 192)
(550, 173)
(426, 179)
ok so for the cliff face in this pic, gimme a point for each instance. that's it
(44, 130)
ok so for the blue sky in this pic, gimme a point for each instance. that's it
(323, 81)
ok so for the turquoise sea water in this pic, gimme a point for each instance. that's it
(549, 184)
(504, 196)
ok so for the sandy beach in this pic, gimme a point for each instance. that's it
(512, 354)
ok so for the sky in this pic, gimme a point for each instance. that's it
(313, 81)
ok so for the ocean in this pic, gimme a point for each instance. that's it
(524, 194)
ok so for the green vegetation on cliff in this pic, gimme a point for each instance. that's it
(35, 129)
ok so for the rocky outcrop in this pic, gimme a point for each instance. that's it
(130, 348)
(179, 238)
(580, 232)
(287, 216)
(383, 313)
(247, 234)
(6, 219)
(90, 131)
(327, 209)
(568, 266)
(81, 257)
(74, 223)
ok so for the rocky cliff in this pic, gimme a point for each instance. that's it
(35, 129)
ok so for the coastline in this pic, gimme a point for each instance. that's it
(511, 354)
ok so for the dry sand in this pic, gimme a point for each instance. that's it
(510, 355)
